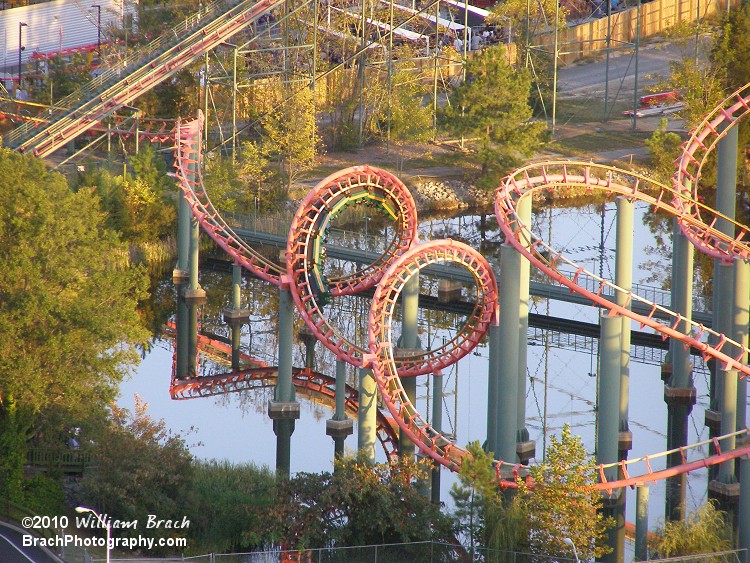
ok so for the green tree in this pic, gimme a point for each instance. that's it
(229, 506)
(63, 78)
(68, 318)
(564, 502)
(498, 126)
(483, 514)
(139, 468)
(664, 148)
(290, 135)
(731, 49)
(410, 118)
(704, 531)
(359, 504)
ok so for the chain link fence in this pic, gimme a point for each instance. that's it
(417, 552)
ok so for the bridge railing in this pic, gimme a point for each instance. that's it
(70, 461)
(278, 224)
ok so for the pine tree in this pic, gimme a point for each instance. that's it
(491, 110)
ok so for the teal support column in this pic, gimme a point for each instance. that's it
(493, 384)
(723, 297)
(624, 279)
(722, 484)
(744, 508)
(741, 334)
(339, 426)
(284, 409)
(608, 422)
(183, 338)
(367, 415)
(194, 296)
(409, 342)
(236, 316)
(741, 328)
(284, 388)
(183, 233)
(525, 448)
(309, 340)
(641, 522)
(507, 390)
(437, 423)
(180, 279)
(608, 419)
(679, 391)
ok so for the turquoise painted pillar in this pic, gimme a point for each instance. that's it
(183, 233)
(507, 390)
(679, 391)
(182, 332)
(236, 316)
(740, 329)
(641, 522)
(308, 339)
(624, 279)
(194, 296)
(722, 323)
(608, 420)
(339, 426)
(525, 448)
(609, 392)
(437, 423)
(493, 384)
(722, 484)
(367, 415)
(284, 388)
(180, 278)
(284, 409)
(409, 342)
(744, 509)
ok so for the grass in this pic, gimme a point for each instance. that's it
(595, 142)
(579, 110)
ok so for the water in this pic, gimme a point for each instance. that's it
(236, 427)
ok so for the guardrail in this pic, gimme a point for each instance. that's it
(72, 461)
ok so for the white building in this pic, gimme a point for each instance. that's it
(54, 26)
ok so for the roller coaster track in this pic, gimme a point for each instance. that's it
(318, 387)
(162, 58)
(124, 126)
(694, 215)
(303, 274)
(404, 258)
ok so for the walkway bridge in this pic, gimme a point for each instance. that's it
(444, 271)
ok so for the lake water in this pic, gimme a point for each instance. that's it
(236, 427)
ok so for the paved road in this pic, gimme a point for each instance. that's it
(12, 550)
(587, 78)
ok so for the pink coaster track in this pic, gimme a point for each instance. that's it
(694, 215)
(187, 164)
(124, 126)
(681, 202)
(319, 387)
(304, 249)
(404, 258)
(331, 195)
(385, 371)
(559, 176)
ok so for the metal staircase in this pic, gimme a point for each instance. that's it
(171, 52)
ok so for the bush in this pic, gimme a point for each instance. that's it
(44, 495)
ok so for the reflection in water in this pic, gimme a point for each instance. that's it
(561, 387)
